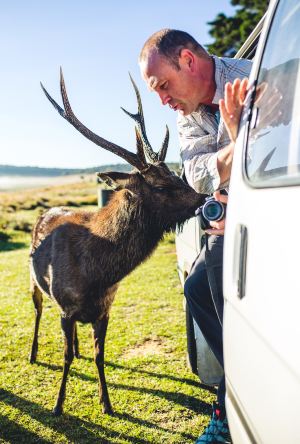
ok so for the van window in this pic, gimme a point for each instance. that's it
(273, 150)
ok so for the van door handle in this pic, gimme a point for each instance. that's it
(241, 263)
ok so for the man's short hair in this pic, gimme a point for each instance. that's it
(169, 43)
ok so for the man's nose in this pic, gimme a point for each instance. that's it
(164, 97)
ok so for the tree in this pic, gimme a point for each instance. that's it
(231, 32)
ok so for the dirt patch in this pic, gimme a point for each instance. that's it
(150, 346)
(173, 251)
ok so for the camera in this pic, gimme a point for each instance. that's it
(211, 211)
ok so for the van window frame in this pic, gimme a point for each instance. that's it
(276, 183)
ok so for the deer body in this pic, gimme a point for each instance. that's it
(78, 258)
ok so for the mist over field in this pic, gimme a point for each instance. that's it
(11, 183)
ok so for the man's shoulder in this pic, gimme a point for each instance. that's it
(227, 70)
(234, 66)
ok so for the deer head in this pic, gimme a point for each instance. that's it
(166, 194)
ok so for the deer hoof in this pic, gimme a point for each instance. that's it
(57, 411)
(32, 358)
(108, 410)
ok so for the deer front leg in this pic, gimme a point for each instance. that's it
(99, 330)
(38, 306)
(76, 343)
(67, 326)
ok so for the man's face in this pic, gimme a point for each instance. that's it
(180, 89)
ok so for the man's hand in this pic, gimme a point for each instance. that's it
(218, 228)
(230, 108)
(232, 104)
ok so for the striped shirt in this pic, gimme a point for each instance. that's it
(201, 135)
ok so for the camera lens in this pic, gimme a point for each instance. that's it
(213, 210)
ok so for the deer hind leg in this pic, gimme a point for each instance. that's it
(37, 298)
(68, 328)
(99, 331)
(76, 343)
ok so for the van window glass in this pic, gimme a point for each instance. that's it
(273, 151)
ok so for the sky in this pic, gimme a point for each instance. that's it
(97, 43)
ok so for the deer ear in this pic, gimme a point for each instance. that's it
(114, 179)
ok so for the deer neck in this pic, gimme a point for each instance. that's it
(128, 231)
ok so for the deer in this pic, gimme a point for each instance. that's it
(78, 258)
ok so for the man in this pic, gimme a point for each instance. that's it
(192, 82)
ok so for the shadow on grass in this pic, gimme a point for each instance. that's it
(150, 425)
(74, 429)
(187, 381)
(10, 246)
(190, 402)
(12, 432)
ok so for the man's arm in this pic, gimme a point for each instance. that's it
(198, 135)
(224, 162)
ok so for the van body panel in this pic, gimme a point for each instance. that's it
(261, 263)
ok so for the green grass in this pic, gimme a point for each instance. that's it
(155, 397)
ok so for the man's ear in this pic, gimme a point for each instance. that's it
(114, 179)
(186, 59)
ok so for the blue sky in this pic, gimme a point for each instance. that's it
(96, 43)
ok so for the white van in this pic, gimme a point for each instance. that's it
(262, 244)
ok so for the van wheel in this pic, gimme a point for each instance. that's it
(191, 341)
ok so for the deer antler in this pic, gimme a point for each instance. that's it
(67, 113)
(139, 119)
(163, 151)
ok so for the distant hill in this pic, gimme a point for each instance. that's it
(11, 170)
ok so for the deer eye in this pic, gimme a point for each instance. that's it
(159, 189)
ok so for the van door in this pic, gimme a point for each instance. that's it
(262, 245)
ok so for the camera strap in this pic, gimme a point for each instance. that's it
(206, 241)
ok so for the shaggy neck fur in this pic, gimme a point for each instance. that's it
(128, 231)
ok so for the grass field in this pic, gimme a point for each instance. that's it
(155, 397)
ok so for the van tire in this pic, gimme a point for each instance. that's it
(191, 342)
